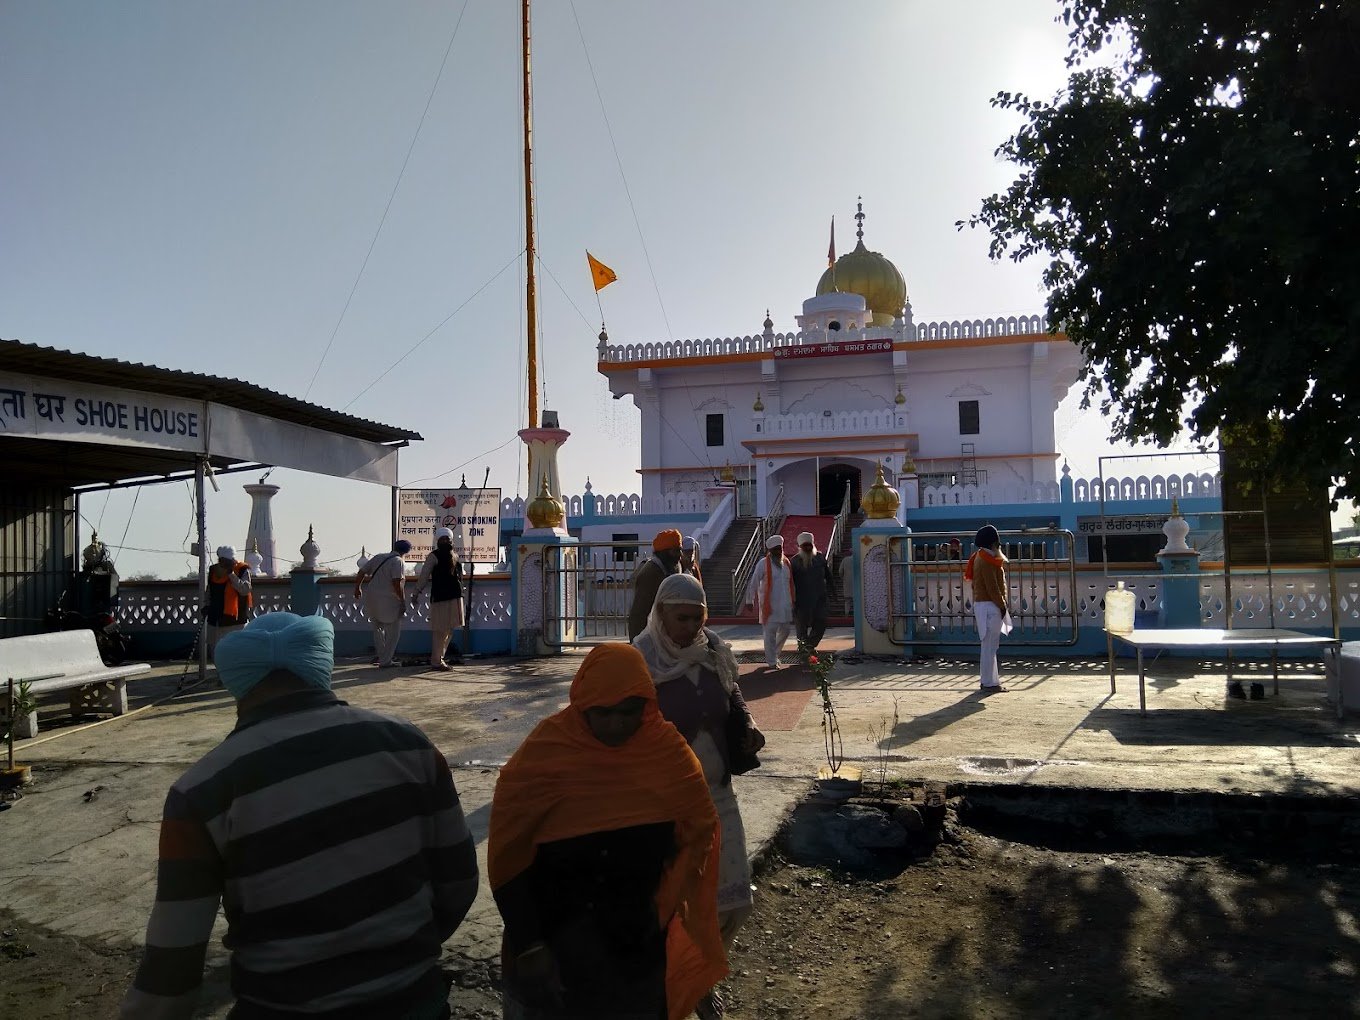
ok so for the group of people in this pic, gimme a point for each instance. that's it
(333, 839)
(335, 843)
(381, 584)
(791, 596)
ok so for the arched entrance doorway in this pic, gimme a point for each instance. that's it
(831, 482)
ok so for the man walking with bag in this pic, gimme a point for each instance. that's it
(381, 585)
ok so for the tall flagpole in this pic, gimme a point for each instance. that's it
(530, 298)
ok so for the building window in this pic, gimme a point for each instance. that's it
(714, 425)
(624, 554)
(969, 422)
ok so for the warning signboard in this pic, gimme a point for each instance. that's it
(473, 515)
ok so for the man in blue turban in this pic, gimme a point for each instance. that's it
(332, 837)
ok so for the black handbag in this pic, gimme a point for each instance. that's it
(739, 760)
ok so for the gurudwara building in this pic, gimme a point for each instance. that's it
(859, 384)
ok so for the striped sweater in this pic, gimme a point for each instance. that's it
(333, 838)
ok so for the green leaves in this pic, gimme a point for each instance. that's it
(1195, 194)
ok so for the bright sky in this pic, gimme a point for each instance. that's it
(197, 185)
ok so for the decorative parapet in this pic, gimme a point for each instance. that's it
(1147, 487)
(621, 505)
(1143, 487)
(901, 332)
(163, 606)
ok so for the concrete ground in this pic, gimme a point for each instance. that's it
(77, 852)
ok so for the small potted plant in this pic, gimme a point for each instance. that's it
(25, 721)
(22, 721)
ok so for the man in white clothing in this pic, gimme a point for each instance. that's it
(771, 591)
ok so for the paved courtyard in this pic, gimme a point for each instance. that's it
(77, 852)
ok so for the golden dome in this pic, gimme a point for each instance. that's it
(871, 276)
(545, 510)
(881, 501)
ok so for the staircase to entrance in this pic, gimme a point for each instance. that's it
(719, 564)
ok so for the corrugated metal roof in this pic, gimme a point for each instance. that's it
(18, 356)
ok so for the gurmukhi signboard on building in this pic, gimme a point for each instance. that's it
(473, 515)
(832, 349)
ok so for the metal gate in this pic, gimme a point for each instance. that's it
(931, 604)
(37, 555)
(587, 591)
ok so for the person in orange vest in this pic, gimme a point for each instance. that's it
(771, 591)
(229, 597)
(986, 569)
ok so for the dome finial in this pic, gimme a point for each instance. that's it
(859, 219)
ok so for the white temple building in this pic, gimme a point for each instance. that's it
(860, 383)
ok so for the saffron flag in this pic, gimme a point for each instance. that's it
(831, 252)
(600, 273)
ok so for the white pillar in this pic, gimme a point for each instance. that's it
(260, 534)
(543, 444)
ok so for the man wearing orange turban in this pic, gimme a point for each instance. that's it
(664, 562)
(603, 857)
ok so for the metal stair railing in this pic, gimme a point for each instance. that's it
(755, 549)
(833, 544)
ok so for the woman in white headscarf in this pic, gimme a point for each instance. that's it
(695, 673)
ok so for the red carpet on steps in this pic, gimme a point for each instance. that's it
(795, 525)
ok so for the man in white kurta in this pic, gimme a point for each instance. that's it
(771, 591)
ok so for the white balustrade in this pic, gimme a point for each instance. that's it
(987, 495)
(623, 504)
(1302, 598)
(1090, 490)
(712, 531)
(163, 606)
(957, 329)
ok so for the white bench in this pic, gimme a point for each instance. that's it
(62, 660)
(1343, 675)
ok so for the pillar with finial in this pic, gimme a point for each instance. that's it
(260, 533)
(254, 560)
(544, 480)
(304, 580)
(1180, 563)
(882, 604)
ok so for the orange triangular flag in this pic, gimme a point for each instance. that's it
(600, 273)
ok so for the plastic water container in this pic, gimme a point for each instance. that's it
(1119, 610)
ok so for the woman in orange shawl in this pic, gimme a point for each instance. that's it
(603, 858)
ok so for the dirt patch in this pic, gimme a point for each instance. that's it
(986, 927)
(47, 976)
(981, 927)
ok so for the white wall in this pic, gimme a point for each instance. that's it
(1017, 393)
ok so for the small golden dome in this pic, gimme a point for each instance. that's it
(899, 400)
(726, 474)
(871, 276)
(545, 510)
(759, 405)
(880, 503)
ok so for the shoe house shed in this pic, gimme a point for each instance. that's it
(72, 423)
